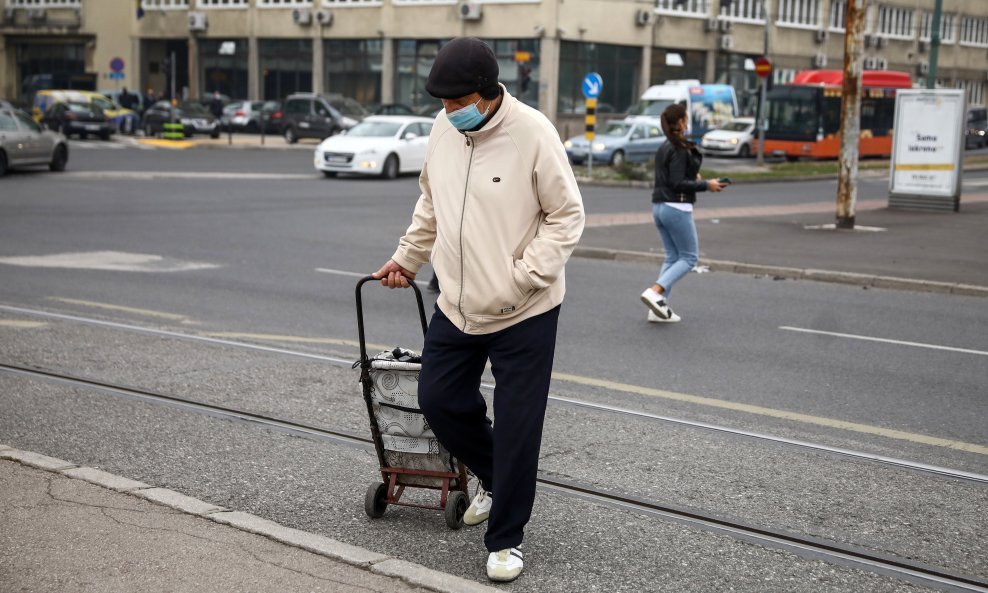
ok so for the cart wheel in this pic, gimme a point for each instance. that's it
(456, 506)
(376, 500)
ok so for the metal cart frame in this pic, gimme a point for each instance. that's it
(453, 485)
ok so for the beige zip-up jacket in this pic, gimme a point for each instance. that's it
(500, 213)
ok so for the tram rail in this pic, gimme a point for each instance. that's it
(800, 544)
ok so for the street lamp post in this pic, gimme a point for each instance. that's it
(762, 92)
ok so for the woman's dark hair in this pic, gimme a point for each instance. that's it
(671, 117)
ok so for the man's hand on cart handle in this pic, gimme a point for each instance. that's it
(394, 276)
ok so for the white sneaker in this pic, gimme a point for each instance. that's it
(656, 303)
(673, 318)
(505, 565)
(479, 509)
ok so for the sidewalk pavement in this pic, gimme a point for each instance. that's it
(943, 252)
(69, 528)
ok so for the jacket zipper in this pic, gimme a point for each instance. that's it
(463, 211)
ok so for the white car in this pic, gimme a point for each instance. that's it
(384, 145)
(735, 138)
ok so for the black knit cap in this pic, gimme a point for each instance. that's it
(463, 66)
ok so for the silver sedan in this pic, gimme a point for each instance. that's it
(24, 143)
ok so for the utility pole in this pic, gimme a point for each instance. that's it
(762, 91)
(850, 115)
(931, 75)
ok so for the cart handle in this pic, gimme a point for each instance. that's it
(360, 313)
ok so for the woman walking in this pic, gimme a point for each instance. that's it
(677, 181)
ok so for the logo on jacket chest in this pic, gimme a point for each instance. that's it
(497, 180)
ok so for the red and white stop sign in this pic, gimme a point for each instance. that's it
(763, 67)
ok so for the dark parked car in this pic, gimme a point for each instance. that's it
(78, 118)
(977, 127)
(273, 117)
(308, 115)
(24, 143)
(194, 117)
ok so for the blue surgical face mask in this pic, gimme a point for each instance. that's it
(467, 118)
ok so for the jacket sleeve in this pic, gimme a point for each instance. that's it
(562, 208)
(415, 246)
(677, 174)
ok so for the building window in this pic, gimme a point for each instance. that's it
(948, 33)
(749, 11)
(974, 31)
(799, 13)
(421, 2)
(895, 22)
(975, 90)
(353, 68)
(210, 4)
(286, 67)
(52, 66)
(165, 4)
(694, 8)
(838, 10)
(44, 3)
(618, 65)
(342, 3)
(224, 66)
(284, 3)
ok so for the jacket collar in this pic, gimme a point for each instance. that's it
(507, 103)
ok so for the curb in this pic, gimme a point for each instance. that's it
(867, 280)
(867, 174)
(381, 564)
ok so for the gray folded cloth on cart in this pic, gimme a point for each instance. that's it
(407, 440)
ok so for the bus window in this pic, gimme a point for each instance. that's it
(831, 116)
(793, 113)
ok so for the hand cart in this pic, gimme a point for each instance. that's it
(408, 451)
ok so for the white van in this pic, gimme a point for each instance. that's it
(709, 105)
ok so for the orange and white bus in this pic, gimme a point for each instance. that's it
(804, 116)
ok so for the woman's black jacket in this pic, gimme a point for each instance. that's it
(675, 174)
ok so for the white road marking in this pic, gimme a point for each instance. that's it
(159, 175)
(884, 340)
(107, 260)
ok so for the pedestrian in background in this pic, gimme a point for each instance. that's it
(216, 105)
(500, 214)
(677, 181)
(149, 99)
(127, 100)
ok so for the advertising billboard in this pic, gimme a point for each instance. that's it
(927, 149)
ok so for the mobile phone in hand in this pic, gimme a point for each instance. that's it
(724, 181)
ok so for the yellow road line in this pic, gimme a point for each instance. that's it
(121, 308)
(168, 143)
(773, 413)
(372, 348)
(21, 324)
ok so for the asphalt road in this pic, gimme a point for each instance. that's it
(283, 254)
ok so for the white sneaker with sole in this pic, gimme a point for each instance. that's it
(505, 565)
(673, 318)
(656, 303)
(479, 509)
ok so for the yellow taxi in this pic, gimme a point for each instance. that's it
(124, 120)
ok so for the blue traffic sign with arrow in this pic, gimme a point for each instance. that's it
(592, 85)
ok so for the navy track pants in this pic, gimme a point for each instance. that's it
(503, 455)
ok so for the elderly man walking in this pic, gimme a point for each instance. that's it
(499, 216)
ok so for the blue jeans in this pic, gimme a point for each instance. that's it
(679, 239)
